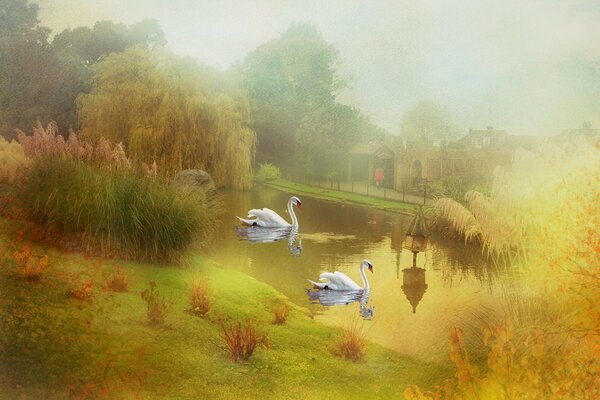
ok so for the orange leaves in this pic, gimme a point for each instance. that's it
(30, 267)
(83, 291)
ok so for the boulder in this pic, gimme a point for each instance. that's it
(194, 178)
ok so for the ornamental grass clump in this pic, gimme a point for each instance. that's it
(157, 306)
(118, 281)
(200, 300)
(280, 311)
(30, 267)
(242, 339)
(74, 187)
(351, 343)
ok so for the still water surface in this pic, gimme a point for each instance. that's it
(406, 315)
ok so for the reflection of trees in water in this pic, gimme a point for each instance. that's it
(454, 259)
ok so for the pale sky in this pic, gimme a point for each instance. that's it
(530, 67)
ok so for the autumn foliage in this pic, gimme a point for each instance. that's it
(541, 219)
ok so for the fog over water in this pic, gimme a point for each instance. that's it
(532, 68)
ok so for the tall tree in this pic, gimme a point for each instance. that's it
(105, 37)
(426, 121)
(160, 107)
(30, 72)
(325, 135)
(286, 78)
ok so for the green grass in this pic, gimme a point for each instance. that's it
(335, 195)
(53, 346)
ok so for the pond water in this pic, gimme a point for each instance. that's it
(401, 312)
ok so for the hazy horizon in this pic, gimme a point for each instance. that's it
(530, 69)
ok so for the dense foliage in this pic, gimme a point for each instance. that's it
(292, 84)
(425, 122)
(160, 108)
(41, 78)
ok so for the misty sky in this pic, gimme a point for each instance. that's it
(530, 67)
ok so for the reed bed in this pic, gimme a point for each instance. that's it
(74, 187)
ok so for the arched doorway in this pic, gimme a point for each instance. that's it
(416, 171)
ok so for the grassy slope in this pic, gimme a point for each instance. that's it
(334, 195)
(51, 345)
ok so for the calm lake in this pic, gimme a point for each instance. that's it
(459, 287)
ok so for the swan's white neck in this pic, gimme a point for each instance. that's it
(290, 208)
(363, 276)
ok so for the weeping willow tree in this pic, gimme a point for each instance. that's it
(162, 109)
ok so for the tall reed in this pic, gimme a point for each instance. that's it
(116, 210)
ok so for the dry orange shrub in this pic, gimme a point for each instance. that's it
(351, 344)
(30, 267)
(82, 291)
(280, 311)
(242, 339)
(200, 300)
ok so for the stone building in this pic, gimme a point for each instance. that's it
(475, 154)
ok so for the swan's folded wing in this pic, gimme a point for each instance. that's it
(268, 216)
(327, 276)
(343, 280)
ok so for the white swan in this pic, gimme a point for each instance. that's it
(268, 218)
(340, 281)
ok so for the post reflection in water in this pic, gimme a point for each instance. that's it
(413, 285)
(328, 298)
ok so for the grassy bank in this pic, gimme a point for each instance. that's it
(334, 195)
(56, 346)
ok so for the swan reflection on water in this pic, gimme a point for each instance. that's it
(329, 298)
(259, 234)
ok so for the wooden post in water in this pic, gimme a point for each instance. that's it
(384, 194)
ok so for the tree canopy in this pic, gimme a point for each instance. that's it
(40, 79)
(426, 121)
(292, 83)
(105, 37)
(161, 107)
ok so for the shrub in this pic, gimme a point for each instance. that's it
(157, 306)
(82, 291)
(30, 267)
(241, 340)
(281, 312)
(350, 345)
(267, 172)
(200, 301)
(118, 281)
(12, 161)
